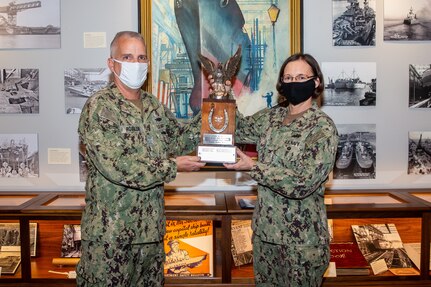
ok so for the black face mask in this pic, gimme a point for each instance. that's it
(297, 92)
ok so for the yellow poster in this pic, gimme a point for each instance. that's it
(189, 248)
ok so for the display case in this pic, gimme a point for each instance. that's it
(345, 208)
(409, 210)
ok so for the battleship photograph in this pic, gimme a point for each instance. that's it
(407, 20)
(420, 86)
(349, 83)
(19, 155)
(215, 29)
(354, 22)
(30, 24)
(19, 91)
(419, 153)
(80, 84)
(356, 152)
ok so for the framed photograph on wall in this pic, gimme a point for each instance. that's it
(419, 86)
(30, 24)
(177, 31)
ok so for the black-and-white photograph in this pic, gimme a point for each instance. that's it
(19, 155)
(26, 24)
(349, 83)
(419, 153)
(71, 242)
(19, 91)
(10, 237)
(407, 20)
(80, 84)
(354, 22)
(9, 262)
(420, 86)
(356, 152)
(382, 241)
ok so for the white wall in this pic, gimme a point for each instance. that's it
(55, 129)
(391, 114)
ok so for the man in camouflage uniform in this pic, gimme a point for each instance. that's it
(131, 143)
(296, 147)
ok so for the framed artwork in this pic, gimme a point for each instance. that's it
(419, 86)
(176, 32)
(356, 152)
(10, 238)
(30, 24)
(407, 20)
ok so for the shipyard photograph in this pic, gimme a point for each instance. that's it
(19, 155)
(30, 24)
(19, 91)
(80, 84)
(356, 152)
(420, 86)
(349, 83)
(407, 20)
(419, 153)
(354, 22)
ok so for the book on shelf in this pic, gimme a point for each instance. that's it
(241, 245)
(9, 262)
(10, 237)
(189, 248)
(71, 241)
(381, 246)
(348, 259)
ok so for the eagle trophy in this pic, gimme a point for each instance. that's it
(221, 73)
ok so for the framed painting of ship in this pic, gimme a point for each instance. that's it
(27, 24)
(354, 23)
(350, 83)
(419, 86)
(177, 31)
(407, 20)
(356, 152)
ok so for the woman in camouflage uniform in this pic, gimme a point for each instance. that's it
(296, 147)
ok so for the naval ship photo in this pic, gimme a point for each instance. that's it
(29, 24)
(419, 153)
(354, 23)
(80, 84)
(419, 86)
(407, 20)
(349, 83)
(356, 152)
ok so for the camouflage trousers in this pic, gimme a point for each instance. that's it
(104, 264)
(285, 266)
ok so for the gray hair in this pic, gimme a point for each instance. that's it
(128, 34)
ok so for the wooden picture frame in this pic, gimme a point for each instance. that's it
(264, 34)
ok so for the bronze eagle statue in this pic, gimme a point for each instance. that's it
(221, 73)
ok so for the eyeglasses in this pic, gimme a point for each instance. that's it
(297, 78)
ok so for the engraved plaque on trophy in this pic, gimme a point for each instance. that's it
(218, 113)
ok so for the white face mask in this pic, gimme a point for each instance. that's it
(133, 74)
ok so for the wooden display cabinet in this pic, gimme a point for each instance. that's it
(409, 210)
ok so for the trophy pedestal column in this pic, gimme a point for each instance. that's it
(218, 131)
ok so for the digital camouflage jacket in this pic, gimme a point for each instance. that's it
(128, 157)
(293, 167)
